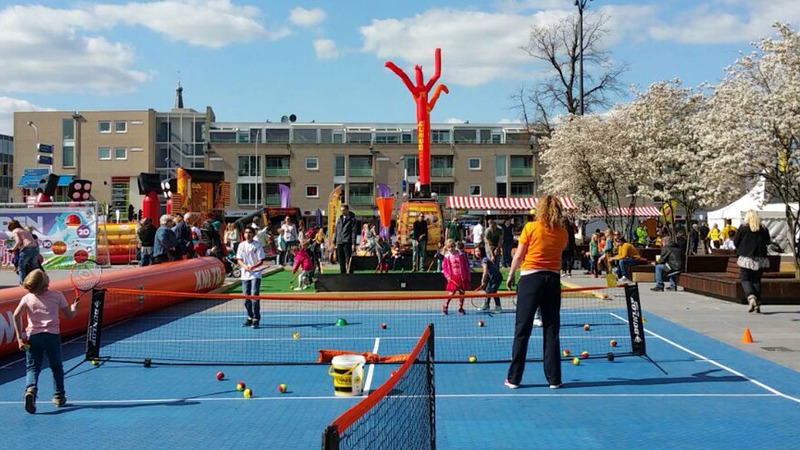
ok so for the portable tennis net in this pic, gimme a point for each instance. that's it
(162, 327)
(398, 414)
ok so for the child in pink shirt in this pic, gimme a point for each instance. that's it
(42, 335)
(457, 273)
(305, 262)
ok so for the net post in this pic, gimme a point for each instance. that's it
(330, 438)
(432, 387)
(635, 322)
(94, 327)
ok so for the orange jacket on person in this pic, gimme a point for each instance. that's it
(627, 250)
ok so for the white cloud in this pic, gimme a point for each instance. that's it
(307, 18)
(726, 21)
(477, 47)
(325, 49)
(510, 121)
(8, 106)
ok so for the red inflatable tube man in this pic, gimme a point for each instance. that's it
(424, 107)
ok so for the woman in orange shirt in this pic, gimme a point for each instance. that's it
(538, 257)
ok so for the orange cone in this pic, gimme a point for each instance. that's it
(747, 338)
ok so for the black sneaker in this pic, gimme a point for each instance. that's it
(254, 324)
(248, 323)
(59, 400)
(30, 400)
(657, 288)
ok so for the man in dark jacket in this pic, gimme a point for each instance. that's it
(345, 236)
(209, 236)
(147, 236)
(183, 232)
(670, 263)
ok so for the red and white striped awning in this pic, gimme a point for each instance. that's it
(638, 211)
(501, 203)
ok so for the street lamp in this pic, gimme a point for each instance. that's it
(581, 4)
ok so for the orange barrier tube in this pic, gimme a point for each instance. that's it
(192, 275)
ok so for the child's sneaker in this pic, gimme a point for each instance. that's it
(59, 400)
(444, 310)
(484, 308)
(29, 398)
(461, 311)
(498, 309)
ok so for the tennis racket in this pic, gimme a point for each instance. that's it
(85, 276)
(477, 302)
(292, 281)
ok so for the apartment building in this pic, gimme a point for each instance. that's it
(111, 148)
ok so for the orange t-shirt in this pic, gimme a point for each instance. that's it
(544, 246)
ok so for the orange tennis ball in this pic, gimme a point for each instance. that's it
(248, 393)
(383, 326)
(613, 343)
(480, 323)
(220, 375)
(282, 388)
(240, 386)
(584, 354)
(565, 352)
(586, 327)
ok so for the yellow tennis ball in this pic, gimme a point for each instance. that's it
(95, 362)
(248, 393)
(576, 361)
(282, 388)
(296, 335)
(240, 386)
(472, 358)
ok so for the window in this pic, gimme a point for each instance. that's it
(360, 166)
(500, 166)
(67, 129)
(68, 156)
(120, 153)
(312, 163)
(361, 194)
(441, 166)
(248, 166)
(248, 194)
(272, 195)
(277, 166)
(120, 126)
(521, 166)
(474, 163)
(502, 190)
(338, 165)
(312, 191)
(410, 164)
(522, 189)
(104, 153)
(104, 126)
(305, 136)
(440, 136)
(475, 190)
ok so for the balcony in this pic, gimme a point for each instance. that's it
(359, 172)
(272, 199)
(361, 200)
(521, 171)
(276, 172)
(441, 172)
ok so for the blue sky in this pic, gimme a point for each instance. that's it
(256, 60)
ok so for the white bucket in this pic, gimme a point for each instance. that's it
(348, 374)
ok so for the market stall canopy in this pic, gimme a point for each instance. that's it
(638, 211)
(500, 203)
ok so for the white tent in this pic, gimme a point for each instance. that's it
(736, 210)
(773, 216)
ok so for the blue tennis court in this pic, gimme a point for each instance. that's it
(696, 392)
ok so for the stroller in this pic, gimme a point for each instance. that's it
(232, 267)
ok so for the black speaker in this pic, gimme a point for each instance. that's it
(79, 191)
(169, 187)
(48, 185)
(149, 182)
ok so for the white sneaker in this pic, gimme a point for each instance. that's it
(537, 322)
(624, 280)
(510, 385)
(555, 386)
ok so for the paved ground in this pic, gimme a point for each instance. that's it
(776, 331)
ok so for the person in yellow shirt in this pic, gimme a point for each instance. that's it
(627, 255)
(726, 231)
(713, 236)
(538, 257)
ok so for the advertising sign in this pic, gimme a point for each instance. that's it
(65, 234)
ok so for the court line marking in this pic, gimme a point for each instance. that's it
(368, 381)
(334, 338)
(356, 397)
(720, 365)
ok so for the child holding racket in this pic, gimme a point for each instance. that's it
(250, 256)
(42, 336)
(456, 270)
(490, 281)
